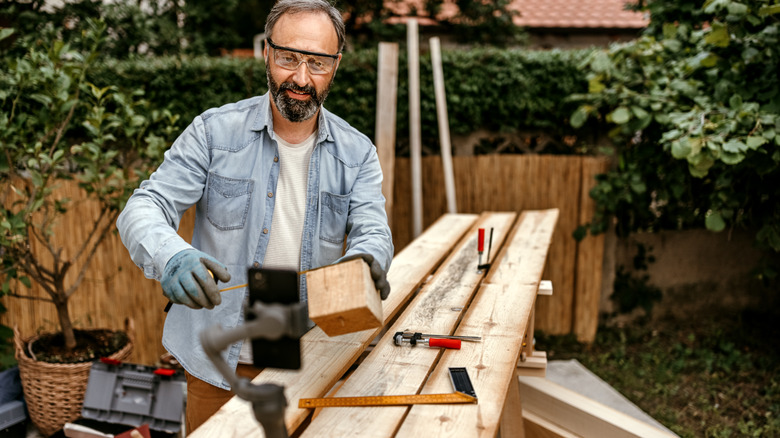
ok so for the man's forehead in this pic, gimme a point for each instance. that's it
(305, 25)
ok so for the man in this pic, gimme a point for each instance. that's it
(277, 182)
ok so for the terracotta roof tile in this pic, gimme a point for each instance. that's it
(577, 14)
(554, 13)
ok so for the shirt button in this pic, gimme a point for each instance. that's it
(256, 265)
(265, 230)
(270, 194)
(276, 159)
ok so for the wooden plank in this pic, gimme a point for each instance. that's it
(512, 416)
(499, 314)
(415, 133)
(402, 370)
(537, 427)
(386, 101)
(343, 299)
(325, 359)
(444, 124)
(578, 414)
(590, 257)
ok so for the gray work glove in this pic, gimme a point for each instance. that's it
(377, 273)
(186, 279)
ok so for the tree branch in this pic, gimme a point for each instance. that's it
(93, 250)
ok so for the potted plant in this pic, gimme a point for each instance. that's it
(57, 128)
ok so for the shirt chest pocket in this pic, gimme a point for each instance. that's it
(228, 201)
(333, 216)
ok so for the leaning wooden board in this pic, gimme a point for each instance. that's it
(327, 359)
(402, 370)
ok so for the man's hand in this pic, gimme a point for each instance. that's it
(377, 273)
(186, 279)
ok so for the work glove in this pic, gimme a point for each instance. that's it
(186, 279)
(377, 273)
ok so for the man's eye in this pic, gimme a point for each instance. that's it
(288, 57)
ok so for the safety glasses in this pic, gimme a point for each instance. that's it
(290, 59)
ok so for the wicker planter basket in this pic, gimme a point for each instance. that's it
(55, 392)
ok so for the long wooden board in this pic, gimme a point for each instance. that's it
(393, 370)
(554, 411)
(326, 359)
(499, 314)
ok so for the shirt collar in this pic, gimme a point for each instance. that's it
(265, 120)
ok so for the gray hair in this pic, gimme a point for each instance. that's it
(296, 6)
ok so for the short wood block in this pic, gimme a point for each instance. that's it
(343, 298)
(534, 365)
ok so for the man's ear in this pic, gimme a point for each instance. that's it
(265, 52)
(336, 67)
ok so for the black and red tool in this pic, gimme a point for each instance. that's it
(481, 247)
(441, 341)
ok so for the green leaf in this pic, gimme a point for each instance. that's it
(600, 61)
(735, 102)
(714, 222)
(595, 85)
(754, 142)
(26, 281)
(5, 33)
(639, 112)
(620, 116)
(711, 60)
(738, 9)
(579, 117)
(718, 35)
(671, 135)
(732, 158)
(734, 146)
(669, 31)
(769, 10)
(680, 149)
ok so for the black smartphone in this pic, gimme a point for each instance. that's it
(274, 286)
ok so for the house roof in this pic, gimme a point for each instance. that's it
(577, 14)
(610, 14)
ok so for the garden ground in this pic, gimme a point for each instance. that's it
(709, 375)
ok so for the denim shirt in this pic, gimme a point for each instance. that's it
(226, 164)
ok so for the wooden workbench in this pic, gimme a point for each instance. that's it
(436, 288)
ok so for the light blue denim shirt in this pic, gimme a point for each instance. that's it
(226, 164)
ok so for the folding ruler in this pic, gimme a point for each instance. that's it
(464, 393)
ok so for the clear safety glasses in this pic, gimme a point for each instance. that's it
(290, 59)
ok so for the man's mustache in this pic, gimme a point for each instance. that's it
(295, 87)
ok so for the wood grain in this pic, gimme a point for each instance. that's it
(343, 299)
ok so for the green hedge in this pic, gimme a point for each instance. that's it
(492, 89)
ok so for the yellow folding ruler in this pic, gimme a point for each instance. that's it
(464, 393)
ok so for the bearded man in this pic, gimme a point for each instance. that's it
(277, 182)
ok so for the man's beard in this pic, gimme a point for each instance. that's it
(296, 110)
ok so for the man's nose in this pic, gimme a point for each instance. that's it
(301, 76)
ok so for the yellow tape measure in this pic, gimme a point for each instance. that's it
(387, 400)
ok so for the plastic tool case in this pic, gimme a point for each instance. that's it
(12, 419)
(131, 394)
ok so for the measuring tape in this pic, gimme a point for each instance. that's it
(387, 400)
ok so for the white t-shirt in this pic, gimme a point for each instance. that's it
(284, 244)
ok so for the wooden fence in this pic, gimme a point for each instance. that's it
(115, 289)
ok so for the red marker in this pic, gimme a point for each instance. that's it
(480, 243)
